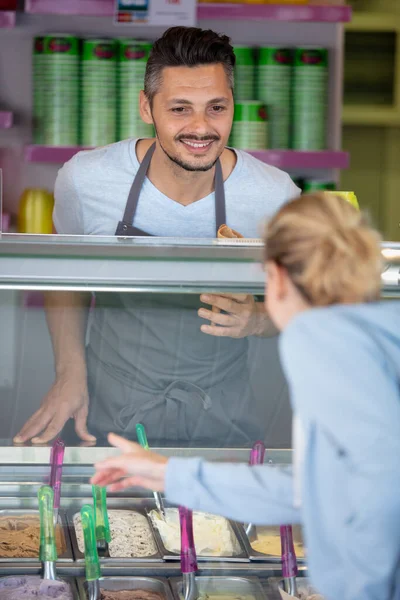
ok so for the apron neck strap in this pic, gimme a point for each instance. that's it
(134, 193)
(220, 209)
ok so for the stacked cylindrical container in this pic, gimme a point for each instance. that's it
(99, 92)
(249, 128)
(274, 84)
(132, 60)
(310, 98)
(244, 89)
(38, 108)
(60, 90)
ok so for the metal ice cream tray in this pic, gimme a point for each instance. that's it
(67, 555)
(241, 556)
(236, 587)
(273, 531)
(127, 504)
(151, 584)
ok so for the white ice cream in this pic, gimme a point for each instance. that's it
(131, 535)
(213, 536)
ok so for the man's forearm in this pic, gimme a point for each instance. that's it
(66, 314)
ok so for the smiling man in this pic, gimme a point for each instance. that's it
(148, 359)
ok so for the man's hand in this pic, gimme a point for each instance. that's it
(67, 398)
(134, 467)
(244, 315)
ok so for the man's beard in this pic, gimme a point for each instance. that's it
(181, 163)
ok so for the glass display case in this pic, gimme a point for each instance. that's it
(128, 347)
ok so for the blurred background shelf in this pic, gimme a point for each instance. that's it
(272, 12)
(6, 119)
(51, 154)
(372, 70)
(7, 19)
(285, 159)
(275, 12)
(292, 159)
(371, 116)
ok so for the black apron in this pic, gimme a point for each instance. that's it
(148, 361)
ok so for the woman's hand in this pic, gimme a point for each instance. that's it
(134, 467)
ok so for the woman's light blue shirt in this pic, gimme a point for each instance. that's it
(342, 364)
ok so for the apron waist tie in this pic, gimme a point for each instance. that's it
(178, 393)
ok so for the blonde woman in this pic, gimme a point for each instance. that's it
(340, 350)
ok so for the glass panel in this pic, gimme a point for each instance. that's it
(137, 353)
(147, 361)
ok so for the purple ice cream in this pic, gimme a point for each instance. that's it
(15, 588)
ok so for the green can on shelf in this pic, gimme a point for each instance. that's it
(310, 99)
(318, 185)
(274, 89)
(132, 59)
(99, 92)
(245, 69)
(250, 126)
(60, 89)
(38, 108)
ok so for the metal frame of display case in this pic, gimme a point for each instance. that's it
(89, 263)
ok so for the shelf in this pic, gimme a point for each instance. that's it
(373, 21)
(271, 12)
(7, 19)
(291, 159)
(51, 154)
(6, 120)
(371, 116)
(284, 159)
(275, 12)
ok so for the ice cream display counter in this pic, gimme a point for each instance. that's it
(138, 560)
(146, 360)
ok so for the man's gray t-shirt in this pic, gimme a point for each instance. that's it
(92, 189)
(147, 359)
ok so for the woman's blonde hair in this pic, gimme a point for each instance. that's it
(329, 250)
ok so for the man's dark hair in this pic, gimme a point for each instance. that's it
(187, 47)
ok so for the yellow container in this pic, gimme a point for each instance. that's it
(35, 212)
(349, 196)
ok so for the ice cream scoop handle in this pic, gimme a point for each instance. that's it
(102, 524)
(188, 551)
(257, 453)
(48, 552)
(289, 563)
(89, 537)
(57, 460)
